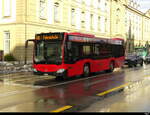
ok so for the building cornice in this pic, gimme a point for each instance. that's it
(137, 11)
(133, 9)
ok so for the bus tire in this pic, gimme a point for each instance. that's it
(86, 70)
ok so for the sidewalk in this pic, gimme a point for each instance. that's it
(14, 67)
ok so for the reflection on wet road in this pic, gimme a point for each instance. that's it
(134, 100)
(72, 95)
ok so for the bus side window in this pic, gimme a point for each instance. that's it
(69, 49)
(101, 50)
(69, 45)
(75, 51)
(118, 51)
(96, 50)
(86, 50)
(68, 52)
(104, 50)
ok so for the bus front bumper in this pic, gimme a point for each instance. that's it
(59, 73)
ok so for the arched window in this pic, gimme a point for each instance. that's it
(83, 19)
(99, 23)
(91, 21)
(7, 6)
(73, 16)
(42, 9)
(56, 12)
(117, 19)
(118, 16)
(6, 42)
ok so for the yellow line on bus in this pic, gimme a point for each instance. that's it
(111, 90)
(61, 109)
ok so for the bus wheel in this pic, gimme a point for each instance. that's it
(86, 70)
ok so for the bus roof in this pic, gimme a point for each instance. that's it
(117, 39)
(82, 34)
(42, 33)
(87, 37)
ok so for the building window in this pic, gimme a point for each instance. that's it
(105, 24)
(7, 7)
(91, 21)
(106, 9)
(88, 2)
(42, 9)
(99, 21)
(56, 12)
(102, 5)
(73, 16)
(83, 1)
(79, 1)
(102, 24)
(6, 42)
(117, 20)
(99, 3)
(83, 19)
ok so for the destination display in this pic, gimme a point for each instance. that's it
(48, 37)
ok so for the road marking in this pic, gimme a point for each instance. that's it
(147, 76)
(111, 90)
(61, 109)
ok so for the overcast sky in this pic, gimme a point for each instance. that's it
(144, 4)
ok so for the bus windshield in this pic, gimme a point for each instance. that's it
(48, 52)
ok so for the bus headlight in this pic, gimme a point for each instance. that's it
(60, 71)
(34, 70)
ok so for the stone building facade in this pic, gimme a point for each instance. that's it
(20, 20)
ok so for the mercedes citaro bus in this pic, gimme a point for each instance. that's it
(71, 54)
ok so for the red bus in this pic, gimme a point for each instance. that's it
(70, 54)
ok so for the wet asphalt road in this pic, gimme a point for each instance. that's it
(78, 94)
(127, 101)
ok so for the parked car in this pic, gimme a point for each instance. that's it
(132, 60)
(147, 59)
